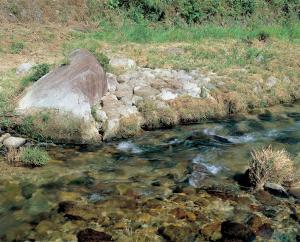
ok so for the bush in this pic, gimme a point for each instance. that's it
(268, 165)
(38, 71)
(34, 157)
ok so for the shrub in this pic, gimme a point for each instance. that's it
(16, 47)
(268, 165)
(38, 71)
(34, 157)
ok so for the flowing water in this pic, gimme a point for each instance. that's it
(180, 182)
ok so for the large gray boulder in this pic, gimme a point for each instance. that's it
(73, 89)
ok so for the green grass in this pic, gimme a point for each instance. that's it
(16, 47)
(38, 71)
(143, 33)
(34, 157)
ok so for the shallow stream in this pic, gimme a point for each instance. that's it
(167, 185)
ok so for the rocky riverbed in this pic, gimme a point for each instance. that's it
(167, 185)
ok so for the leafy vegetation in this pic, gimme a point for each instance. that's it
(16, 47)
(38, 71)
(34, 157)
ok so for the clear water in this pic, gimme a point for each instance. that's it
(117, 181)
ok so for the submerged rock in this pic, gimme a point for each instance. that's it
(90, 235)
(177, 233)
(275, 189)
(73, 88)
(232, 231)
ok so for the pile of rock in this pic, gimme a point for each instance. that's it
(136, 84)
(102, 100)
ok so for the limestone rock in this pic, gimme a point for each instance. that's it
(14, 142)
(145, 92)
(112, 82)
(192, 89)
(167, 95)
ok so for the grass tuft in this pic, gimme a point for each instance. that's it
(268, 165)
(156, 116)
(34, 157)
(129, 127)
(16, 47)
(38, 71)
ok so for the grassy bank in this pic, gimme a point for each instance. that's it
(243, 59)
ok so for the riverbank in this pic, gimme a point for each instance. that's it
(237, 74)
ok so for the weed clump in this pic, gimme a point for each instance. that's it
(102, 59)
(28, 156)
(34, 157)
(52, 125)
(191, 110)
(16, 47)
(129, 126)
(38, 71)
(268, 165)
(156, 116)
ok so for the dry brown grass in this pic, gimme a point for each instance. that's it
(268, 165)
(13, 156)
(53, 125)
(129, 126)
(156, 116)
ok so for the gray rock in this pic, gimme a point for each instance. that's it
(275, 189)
(143, 91)
(124, 91)
(101, 116)
(271, 82)
(14, 142)
(4, 137)
(112, 83)
(123, 63)
(24, 68)
(205, 93)
(167, 95)
(192, 89)
(73, 88)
